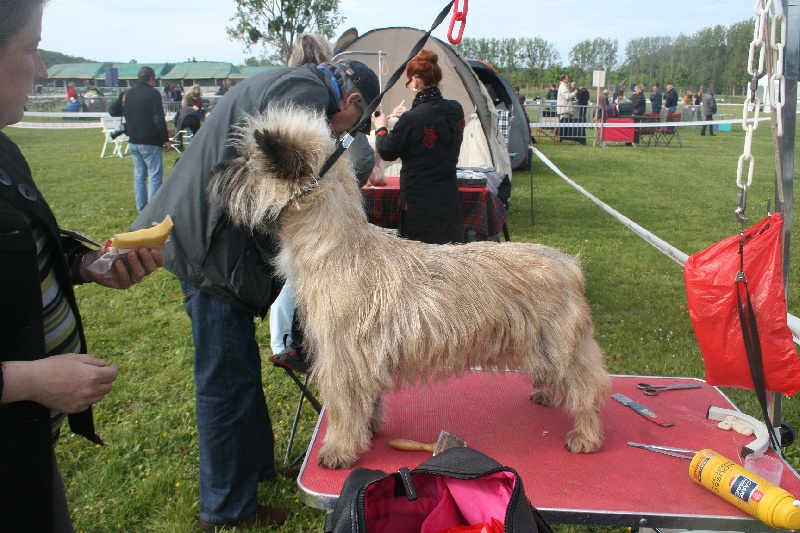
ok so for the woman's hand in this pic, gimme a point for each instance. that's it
(69, 383)
(397, 111)
(126, 271)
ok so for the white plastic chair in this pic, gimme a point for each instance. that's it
(111, 125)
(181, 140)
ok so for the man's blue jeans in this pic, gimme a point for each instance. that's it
(147, 160)
(237, 447)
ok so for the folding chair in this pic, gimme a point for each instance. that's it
(669, 133)
(293, 361)
(647, 134)
(181, 140)
(112, 126)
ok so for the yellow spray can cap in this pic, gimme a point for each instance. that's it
(786, 515)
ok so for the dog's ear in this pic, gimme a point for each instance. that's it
(282, 158)
(279, 155)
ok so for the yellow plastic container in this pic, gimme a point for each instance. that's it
(748, 491)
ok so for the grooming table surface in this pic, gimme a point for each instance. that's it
(617, 486)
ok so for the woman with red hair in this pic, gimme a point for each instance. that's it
(427, 138)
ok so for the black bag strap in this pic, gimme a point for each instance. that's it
(344, 143)
(752, 345)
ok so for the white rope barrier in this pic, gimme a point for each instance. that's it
(66, 114)
(644, 124)
(57, 125)
(658, 243)
(74, 120)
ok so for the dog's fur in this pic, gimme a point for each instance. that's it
(378, 311)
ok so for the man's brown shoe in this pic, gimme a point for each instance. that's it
(264, 516)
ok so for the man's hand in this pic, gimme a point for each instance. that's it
(127, 271)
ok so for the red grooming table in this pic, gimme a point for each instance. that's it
(483, 212)
(618, 486)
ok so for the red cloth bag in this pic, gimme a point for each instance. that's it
(711, 290)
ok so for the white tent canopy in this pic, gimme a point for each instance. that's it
(761, 92)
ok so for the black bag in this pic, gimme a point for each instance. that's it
(117, 107)
(459, 486)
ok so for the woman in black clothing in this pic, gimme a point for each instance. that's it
(427, 138)
(639, 108)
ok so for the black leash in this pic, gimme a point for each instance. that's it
(347, 138)
(752, 345)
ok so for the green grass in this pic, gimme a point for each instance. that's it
(145, 478)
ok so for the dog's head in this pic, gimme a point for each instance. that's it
(279, 156)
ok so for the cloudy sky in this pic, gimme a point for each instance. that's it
(169, 32)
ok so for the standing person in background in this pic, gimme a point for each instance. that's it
(428, 140)
(671, 99)
(583, 101)
(697, 102)
(639, 107)
(45, 372)
(620, 95)
(656, 100)
(177, 92)
(565, 97)
(709, 109)
(602, 104)
(147, 134)
(688, 98)
(223, 88)
(72, 94)
(552, 92)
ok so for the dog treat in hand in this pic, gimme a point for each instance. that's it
(116, 247)
(153, 237)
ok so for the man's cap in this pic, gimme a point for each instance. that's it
(362, 76)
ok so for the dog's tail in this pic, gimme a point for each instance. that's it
(279, 154)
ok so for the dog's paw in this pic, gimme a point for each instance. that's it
(541, 398)
(333, 460)
(579, 443)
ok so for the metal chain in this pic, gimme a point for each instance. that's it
(765, 48)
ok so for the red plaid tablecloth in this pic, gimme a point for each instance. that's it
(483, 212)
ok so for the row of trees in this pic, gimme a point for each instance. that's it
(714, 56)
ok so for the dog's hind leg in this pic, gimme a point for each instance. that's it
(587, 386)
(579, 387)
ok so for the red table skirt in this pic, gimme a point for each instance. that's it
(484, 213)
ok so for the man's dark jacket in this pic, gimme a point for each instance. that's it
(144, 116)
(26, 497)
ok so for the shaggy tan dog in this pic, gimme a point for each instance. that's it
(379, 311)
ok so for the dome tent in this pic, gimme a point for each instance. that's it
(384, 50)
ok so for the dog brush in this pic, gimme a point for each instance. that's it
(444, 442)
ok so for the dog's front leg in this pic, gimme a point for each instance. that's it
(349, 409)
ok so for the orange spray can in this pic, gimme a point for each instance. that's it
(748, 491)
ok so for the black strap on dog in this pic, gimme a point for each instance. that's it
(347, 138)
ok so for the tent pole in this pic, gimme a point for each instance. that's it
(791, 9)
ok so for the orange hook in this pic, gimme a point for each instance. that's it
(458, 16)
